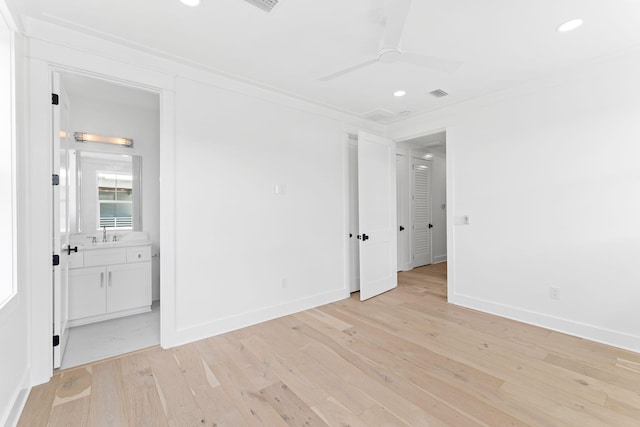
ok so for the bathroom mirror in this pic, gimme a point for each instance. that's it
(108, 191)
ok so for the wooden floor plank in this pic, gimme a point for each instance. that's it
(71, 413)
(253, 407)
(217, 408)
(177, 397)
(290, 407)
(108, 407)
(37, 410)
(144, 407)
(404, 358)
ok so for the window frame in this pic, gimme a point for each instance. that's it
(9, 285)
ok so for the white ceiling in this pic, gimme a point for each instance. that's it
(501, 42)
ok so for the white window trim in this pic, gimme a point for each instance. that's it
(5, 16)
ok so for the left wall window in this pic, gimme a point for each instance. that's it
(7, 164)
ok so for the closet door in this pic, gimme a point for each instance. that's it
(421, 212)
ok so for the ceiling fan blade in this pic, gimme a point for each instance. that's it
(432, 62)
(348, 70)
(397, 12)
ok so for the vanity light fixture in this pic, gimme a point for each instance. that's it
(191, 2)
(87, 137)
(569, 25)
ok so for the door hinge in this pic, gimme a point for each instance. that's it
(55, 99)
(55, 179)
(56, 340)
(56, 260)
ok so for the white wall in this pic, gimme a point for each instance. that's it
(143, 126)
(244, 254)
(549, 176)
(14, 333)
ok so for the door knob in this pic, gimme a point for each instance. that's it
(401, 228)
(70, 249)
(364, 237)
(430, 225)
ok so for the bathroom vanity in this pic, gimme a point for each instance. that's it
(109, 280)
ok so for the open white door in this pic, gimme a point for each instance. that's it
(61, 248)
(377, 215)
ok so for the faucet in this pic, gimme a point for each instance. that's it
(104, 233)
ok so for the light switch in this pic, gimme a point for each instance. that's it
(462, 219)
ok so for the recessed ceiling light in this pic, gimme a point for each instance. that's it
(399, 93)
(191, 2)
(570, 25)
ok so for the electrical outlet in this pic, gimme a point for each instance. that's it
(554, 293)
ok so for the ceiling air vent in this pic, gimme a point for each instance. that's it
(438, 93)
(265, 5)
(378, 115)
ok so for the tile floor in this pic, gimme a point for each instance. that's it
(97, 341)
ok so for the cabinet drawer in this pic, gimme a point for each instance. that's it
(139, 254)
(105, 257)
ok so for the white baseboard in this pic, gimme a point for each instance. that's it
(231, 323)
(12, 416)
(570, 327)
(440, 258)
(406, 267)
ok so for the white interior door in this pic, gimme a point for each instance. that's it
(377, 215)
(421, 207)
(60, 167)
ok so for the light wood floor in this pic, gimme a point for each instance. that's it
(405, 358)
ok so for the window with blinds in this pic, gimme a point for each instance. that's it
(115, 200)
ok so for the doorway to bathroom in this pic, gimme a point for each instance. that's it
(106, 211)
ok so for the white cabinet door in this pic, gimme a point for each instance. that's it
(87, 296)
(377, 215)
(128, 286)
